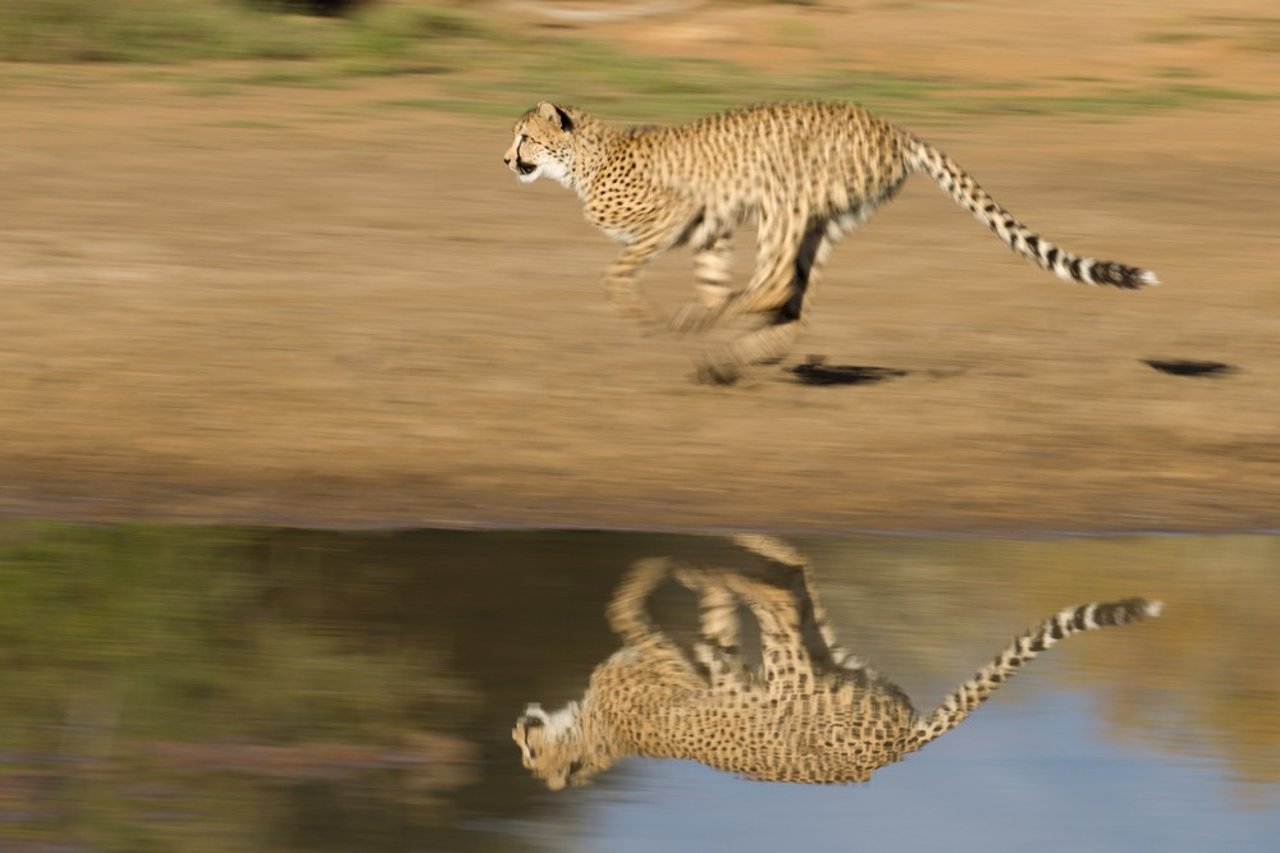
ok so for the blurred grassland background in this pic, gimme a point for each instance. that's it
(483, 56)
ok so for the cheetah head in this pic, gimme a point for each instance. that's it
(543, 144)
(552, 746)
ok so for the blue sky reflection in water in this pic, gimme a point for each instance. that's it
(205, 689)
(1034, 776)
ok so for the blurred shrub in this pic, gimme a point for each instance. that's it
(128, 30)
(181, 30)
(310, 7)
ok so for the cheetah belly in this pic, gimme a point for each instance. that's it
(783, 742)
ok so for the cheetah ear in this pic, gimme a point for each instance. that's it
(555, 115)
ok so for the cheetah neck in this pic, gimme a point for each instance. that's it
(597, 733)
(594, 143)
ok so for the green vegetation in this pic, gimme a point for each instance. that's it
(1248, 32)
(1116, 100)
(472, 64)
(1178, 37)
(139, 31)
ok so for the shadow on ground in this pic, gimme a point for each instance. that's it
(1190, 367)
(815, 372)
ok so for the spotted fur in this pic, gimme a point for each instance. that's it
(810, 713)
(806, 173)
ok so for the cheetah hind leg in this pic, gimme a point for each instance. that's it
(724, 365)
(798, 576)
(772, 342)
(784, 615)
(720, 591)
(626, 612)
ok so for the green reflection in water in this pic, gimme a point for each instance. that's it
(175, 688)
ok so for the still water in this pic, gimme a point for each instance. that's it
(215, 689)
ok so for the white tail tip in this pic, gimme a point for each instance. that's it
(1154, 608)
(1149, 278)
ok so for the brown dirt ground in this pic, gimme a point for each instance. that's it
(278, 305)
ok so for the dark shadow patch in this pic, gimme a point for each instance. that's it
(1189, 367)
(815, 371)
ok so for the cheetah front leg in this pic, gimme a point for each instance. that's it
(719, 628)
(642, 246)
(626, 613)
(712, 268)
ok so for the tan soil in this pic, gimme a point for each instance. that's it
(285, 305)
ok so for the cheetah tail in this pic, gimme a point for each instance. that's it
(1068, 266)
(1074, 620)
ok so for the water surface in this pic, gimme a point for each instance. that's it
(215, 689)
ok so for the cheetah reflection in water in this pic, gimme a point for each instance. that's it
(811, 712)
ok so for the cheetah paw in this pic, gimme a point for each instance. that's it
(694, 317)
(718, 372)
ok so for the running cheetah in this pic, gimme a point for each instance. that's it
(811, 713)
(806, 173)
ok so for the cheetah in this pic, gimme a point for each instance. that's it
(811, 712)
(806, 173)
